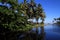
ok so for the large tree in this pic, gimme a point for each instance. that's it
(31, 10)
(15, 15)
(11, 17)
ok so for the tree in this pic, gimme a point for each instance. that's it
(36, 11)
(11, 19)
(15, 16)
(57, 20)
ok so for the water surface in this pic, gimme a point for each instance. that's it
(49, 32)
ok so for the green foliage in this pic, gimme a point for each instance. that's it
(32, 10)
(13, 20)
(57, 20)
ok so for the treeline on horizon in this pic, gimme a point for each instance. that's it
(56, 20)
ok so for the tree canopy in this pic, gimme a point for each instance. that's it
(15, 16)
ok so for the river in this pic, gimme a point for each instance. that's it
(49, 32)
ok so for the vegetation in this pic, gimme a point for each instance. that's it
(57, 20)
(11, 19)
(15, 16)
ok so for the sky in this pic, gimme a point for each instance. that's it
(51, 9)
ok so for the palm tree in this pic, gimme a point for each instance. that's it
(39, 13)
(42, 15)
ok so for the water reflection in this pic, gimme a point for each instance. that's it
(49, 32)
(34, 34)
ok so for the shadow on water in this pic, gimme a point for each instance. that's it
(34, 34)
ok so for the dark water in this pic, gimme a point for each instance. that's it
(49, 32)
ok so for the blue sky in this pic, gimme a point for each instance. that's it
(51, 9)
